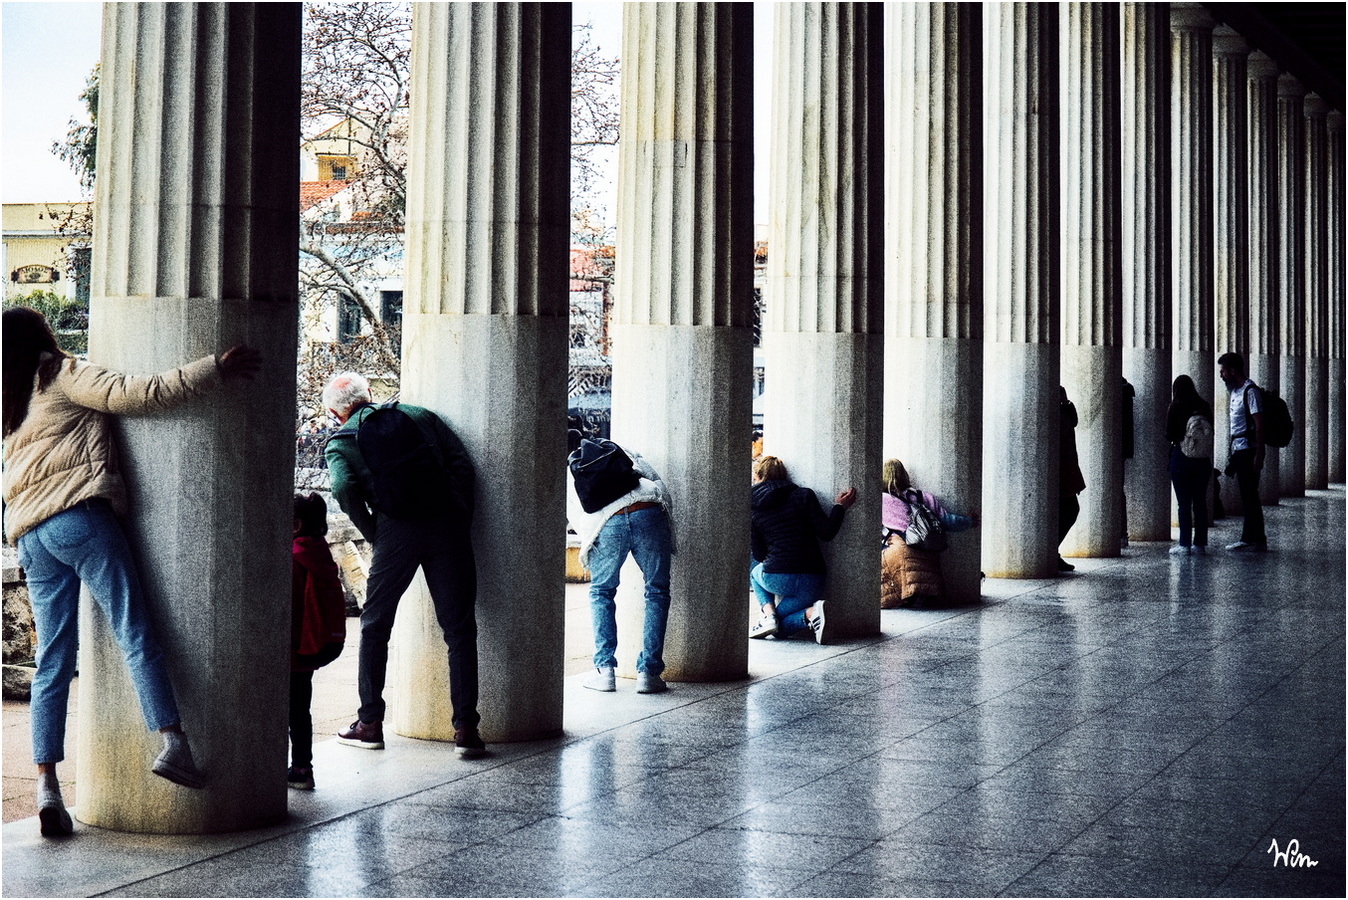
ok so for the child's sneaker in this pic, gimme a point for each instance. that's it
(300, 778)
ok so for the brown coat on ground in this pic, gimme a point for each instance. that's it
(907, 573)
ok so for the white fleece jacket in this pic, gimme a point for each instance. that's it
(588, 525)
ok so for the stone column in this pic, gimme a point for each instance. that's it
(933, 257)
(1092, 277)
(1317, 295)
(484, 345)
(1265, 293)
(682, 339)
(1146, 262)
(825, 297)
(1292, 277)
(1021, 290)
(195, 250)
(1191, 191)
(1231, 232)
(1334, 277)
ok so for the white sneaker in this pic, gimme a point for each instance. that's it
(818, 623)
(1179, 550)
(601, 680)
(1241, 546)
(766, 627)
(650, 684)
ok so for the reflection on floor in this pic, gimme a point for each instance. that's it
(1148, 726)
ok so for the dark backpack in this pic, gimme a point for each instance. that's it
(602, 473)
(1278, 427)
(410, 480)
(924, 530)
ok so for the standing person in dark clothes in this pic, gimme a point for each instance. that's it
(317, 627)
(1189, 474)
(1246, 409)
(436, 539)
(786, 526)
(1070, 480)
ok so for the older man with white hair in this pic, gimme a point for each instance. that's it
(406, 481)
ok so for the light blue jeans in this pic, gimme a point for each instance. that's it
(645, 535)
(86, 544)
(795, 592)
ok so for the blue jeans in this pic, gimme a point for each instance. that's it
(86, 544)
(795, 592)
(644, 534)
(1190, 478)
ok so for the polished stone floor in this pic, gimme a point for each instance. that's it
(1147, 726)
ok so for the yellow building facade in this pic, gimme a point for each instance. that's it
(41, 240)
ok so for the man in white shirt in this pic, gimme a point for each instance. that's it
(614, 521)
(1247, 448)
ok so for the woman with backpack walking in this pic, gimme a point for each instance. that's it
(907, 571)
(1188, 428)
(786, 525)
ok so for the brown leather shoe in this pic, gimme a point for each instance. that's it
(366, 735)
(468, 743)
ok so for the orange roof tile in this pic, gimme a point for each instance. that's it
(312, 192)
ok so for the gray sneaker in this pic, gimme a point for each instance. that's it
(650, 684)
(175, 762)
(52, 817)
(601, 680)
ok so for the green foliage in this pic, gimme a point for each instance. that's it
(68, 318)
(81, 141)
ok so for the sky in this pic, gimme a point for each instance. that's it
(48, 49)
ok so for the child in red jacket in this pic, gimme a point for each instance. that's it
(317, 627)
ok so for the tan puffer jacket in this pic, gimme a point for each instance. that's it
(63, 453)
(907, 573)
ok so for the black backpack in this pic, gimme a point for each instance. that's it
(1278, 427)
(410, 480)
(602, 473)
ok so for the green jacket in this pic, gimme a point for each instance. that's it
(353, 485)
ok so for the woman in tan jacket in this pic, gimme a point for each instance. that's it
(63, 491)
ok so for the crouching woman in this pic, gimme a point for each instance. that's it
(906, 572)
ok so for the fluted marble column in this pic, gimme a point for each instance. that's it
(1334, 276)
(682, 338)
(1265, 292)
(1317, 295)
(1021, 278)
(1231, 232)
(1292, 277)
(1191, 191)
(823, 344)
(194, 250)
(1092, 285)
(1146, 262)
(934, 264)
(484, 345)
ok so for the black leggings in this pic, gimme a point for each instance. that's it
(301, 696)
